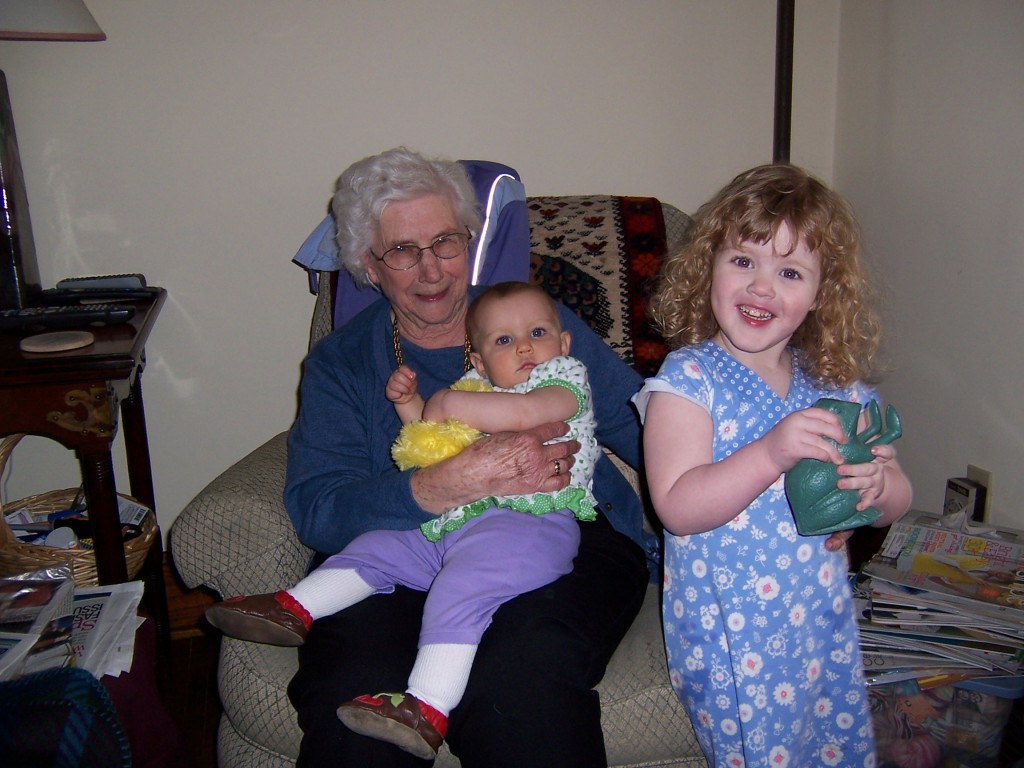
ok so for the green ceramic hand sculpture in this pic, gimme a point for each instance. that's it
(818, 506)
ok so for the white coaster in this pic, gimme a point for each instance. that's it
(58, 341)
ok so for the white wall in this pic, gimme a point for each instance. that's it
(200, 142)
(928, 148)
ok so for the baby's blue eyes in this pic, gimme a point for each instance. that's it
(536, 333)
(791, 274)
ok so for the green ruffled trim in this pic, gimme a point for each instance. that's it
(574, 499)
(577, 392)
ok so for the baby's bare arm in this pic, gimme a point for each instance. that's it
(503, 411)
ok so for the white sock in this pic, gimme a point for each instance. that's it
(440, 674)
(328, 590)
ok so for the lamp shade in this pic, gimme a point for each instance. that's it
(48, 20)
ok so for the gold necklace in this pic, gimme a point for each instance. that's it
(466, 364)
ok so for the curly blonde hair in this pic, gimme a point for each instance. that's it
(839, 339)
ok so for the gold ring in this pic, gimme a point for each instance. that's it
(558, 467)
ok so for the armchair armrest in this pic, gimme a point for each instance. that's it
(235, 536)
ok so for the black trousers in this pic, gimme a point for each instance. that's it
(529, 702)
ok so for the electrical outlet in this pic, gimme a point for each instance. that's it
(983, 478)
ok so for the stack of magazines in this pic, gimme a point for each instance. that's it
(942, 602)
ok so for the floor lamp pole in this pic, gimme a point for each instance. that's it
(783, 80)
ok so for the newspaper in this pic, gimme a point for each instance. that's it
(105, 622)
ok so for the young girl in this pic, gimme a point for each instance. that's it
(470, 559)
(766, 307)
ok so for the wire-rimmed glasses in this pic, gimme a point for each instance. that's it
(408, 255)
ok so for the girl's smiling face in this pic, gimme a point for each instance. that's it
(760, 296)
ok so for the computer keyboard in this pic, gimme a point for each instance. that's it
(66, 316)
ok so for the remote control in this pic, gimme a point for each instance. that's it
(76, 316)
(54, 296)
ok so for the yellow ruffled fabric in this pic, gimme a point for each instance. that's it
(422, 443)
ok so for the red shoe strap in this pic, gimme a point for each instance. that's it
(294, 607)
(432, 716)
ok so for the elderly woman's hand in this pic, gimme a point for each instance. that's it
(502, 464)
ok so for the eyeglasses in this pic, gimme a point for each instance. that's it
(407, 256)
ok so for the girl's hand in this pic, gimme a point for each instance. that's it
(401, 386)
(801, 435)
(838, 540)
(869, 477)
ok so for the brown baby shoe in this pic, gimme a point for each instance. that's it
(271, 618)
(397, 718)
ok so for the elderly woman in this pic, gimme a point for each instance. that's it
(404, 224)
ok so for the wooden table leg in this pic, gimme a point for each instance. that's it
(140, 480)
(136, 442)
(101, 497)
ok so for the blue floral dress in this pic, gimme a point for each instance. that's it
(759, 626)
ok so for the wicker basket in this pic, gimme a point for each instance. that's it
(17, 557)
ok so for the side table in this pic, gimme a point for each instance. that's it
(76, 398)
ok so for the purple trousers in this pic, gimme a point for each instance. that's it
(470, 572)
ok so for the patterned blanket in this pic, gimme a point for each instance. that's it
(599, 255)
(60, 718)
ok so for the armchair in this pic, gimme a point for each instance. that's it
(596, 254)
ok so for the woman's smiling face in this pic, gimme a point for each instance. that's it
(431, 296)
